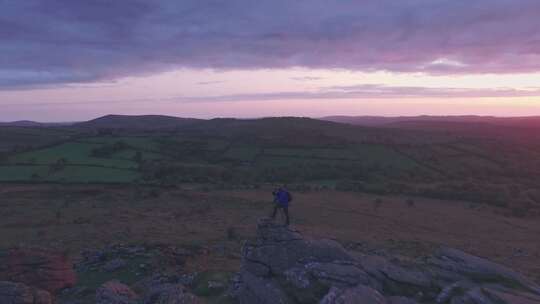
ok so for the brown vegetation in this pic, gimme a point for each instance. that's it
(95, 216)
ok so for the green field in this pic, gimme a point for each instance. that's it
(17, 138)
(10, 173)
(69, 174)
(140, 142)
(128, 158)
(244, 154)
(495, 170)
(73, 152)
(359, 155)
(75, 162)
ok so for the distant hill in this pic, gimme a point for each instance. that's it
(272, 127)
(362, 120)
(292, 130)
(272, 124)
(137, 122)
(33, 124)
(302, 130)
(437, 121)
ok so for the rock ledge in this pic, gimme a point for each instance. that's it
(281, 266)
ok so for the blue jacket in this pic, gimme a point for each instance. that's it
(283, 197)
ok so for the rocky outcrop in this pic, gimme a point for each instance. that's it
(367, 294)
(278, 249)
(114, 292)
(38, 268)
(170, 294)
(114, 265)
(453, 261)
(19, 293)
(281, 266)
(164, 289)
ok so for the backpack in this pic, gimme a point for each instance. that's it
(289, 196)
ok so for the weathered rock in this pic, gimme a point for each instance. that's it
(114, 265)
(180, 255)
(298, 277)
(90, 259)
(114, 292)
(400, 300)
(360, 294)
(279, 248)
(302, 286)
(478, 296)
(327, 251)
(452, 290)
(340, 274)
(170, 294)
(187, 279)
(396, 279)
(280, 255)
(135, 250)
(38, 268)
(494, 295)
(42, 297)
(478, 269)
(93, 256)
(77, 291)
(280, 266)
(253, 289)
(19, 293)
(269, 232)
(513, 297)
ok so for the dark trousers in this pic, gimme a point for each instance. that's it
(285, 210)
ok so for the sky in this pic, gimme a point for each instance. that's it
(71, 60)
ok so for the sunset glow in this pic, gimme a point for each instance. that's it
(310, 59)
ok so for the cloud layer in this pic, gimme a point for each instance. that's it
(63, 41)
(357, 92)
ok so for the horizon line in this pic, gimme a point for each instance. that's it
(284, 116)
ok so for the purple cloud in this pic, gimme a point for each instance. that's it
(306, 78)
(368, 91)
(360, 92)
(62, 41)
(211, 82)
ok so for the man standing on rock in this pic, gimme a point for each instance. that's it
(282, 197)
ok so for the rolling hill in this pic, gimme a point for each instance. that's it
(33, 124)
(136, 122)
(519, 122)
